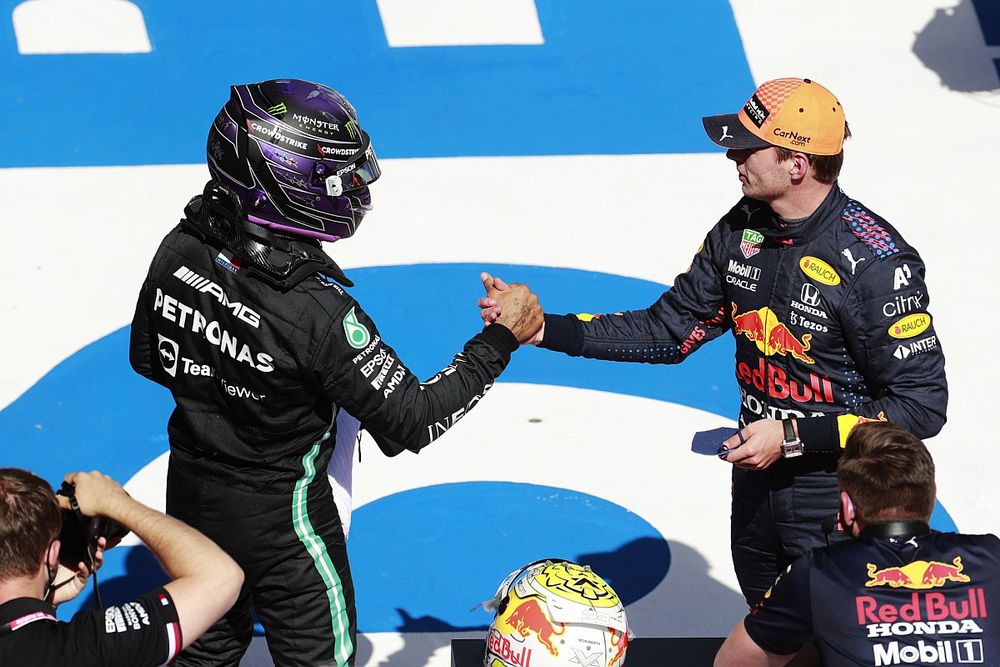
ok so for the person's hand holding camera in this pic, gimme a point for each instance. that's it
(96, 494)
(82, 553)
(70, 583)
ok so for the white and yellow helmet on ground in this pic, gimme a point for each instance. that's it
(554, 612)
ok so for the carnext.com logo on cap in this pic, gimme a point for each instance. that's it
(756, 111)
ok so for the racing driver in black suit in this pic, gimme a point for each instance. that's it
(244, 319)
(828, 306)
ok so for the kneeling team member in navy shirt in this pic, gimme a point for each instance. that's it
(898, 593)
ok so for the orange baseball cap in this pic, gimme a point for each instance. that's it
(797, 114)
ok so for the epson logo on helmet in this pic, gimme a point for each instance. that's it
(344, 170)
(204, 285)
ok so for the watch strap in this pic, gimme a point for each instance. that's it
(791, 446)
(789, 429)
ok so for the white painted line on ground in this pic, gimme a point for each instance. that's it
(79, 26)
(460, 22)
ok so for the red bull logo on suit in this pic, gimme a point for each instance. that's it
(773, 337)
(918, 575)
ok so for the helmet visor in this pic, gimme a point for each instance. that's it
(357, 171)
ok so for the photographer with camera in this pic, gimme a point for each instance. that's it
(150, 630)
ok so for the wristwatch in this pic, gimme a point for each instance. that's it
(791, 446)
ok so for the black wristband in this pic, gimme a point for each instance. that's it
(499, 337)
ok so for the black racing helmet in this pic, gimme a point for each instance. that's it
(295, 155)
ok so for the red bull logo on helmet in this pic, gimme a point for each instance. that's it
(619, 641)
(772, 336)
(918, 575)
(527, 618)
(516, 655)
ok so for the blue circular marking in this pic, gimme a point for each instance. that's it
(471, 535)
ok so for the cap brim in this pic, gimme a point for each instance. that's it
(727, 131)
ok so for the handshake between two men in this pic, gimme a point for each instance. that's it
(514, 306)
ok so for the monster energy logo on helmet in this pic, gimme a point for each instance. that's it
(357, 333)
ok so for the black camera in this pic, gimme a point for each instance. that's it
(79, 533)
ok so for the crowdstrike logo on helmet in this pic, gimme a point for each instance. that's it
(273, 134)
(333, 151)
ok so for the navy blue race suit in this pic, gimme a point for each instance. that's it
(258, 374)
(831, 325)
(927, 599)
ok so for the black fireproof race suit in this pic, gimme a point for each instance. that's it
(258, 375)
(831, 325)
(927, 599)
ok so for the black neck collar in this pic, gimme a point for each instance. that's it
(896, 529)
(805, 229)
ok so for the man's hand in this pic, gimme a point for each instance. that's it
(68, 583)
(205, 581)
(761, 445)
(513, 306)
(489, 311)
(96, 493)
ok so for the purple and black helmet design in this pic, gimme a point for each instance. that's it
(294, 153)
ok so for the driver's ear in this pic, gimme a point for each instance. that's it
(799, 166)
(848, 513)
(52, 555)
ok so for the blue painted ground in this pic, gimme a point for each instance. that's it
(587, 90)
